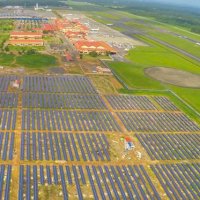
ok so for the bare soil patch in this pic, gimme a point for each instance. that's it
(174, 76)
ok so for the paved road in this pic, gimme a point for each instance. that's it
(69, 46)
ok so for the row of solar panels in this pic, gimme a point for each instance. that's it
(179, 181)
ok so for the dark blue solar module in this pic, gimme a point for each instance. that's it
(64, 146)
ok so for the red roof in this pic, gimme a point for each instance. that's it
(128, 139)
(66, 24)
(75, 34)
(68, 57)
(26, 33)
(48, 27)
(25, 41)
(93, 46)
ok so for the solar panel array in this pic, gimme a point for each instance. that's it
(130, 102)
(64, 101)
(7, 119)
(106, 182)
(157, 121)
(171, 146)
(65, 120)
(68, 120)
(5, 181)
(58, 84)
(64, 146)
(6, 145)
(165, 103)
(180, 181)
(8, 100)
(5, 81)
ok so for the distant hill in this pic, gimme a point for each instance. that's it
(179, 15)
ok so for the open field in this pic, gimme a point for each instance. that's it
(37, 61)
(6, 59)
(134, 77)
(16, 49)
(174, 77)
(6, 25)
(145, 57)
(180, 42)
(156, 55)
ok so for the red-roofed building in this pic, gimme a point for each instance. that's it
(26, 35)
(128, 139)
(26, 39)
(65, 25)
(85, 47)
(27, 42)
(48, 27)
(75, 35)
(68, 57)
(128, 143)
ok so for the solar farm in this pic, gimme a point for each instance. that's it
(60, 138)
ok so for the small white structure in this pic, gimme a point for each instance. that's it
(15, 84)
(100, 69)
(139, 155)
(128, 144)
(37, 7)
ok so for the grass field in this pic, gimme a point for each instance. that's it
(25, 48)
(155, 55)
(6, 59)
(85, 6)
(36, 61)
(3, 38)
(134, 76)
(6, 25)
(179, 42)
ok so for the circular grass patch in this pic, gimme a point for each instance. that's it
(174, 76)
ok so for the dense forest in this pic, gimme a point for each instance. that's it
(180, 16)
(187, 17)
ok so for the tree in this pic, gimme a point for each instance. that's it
(93, 54)
(31, 51)
(6, 48)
